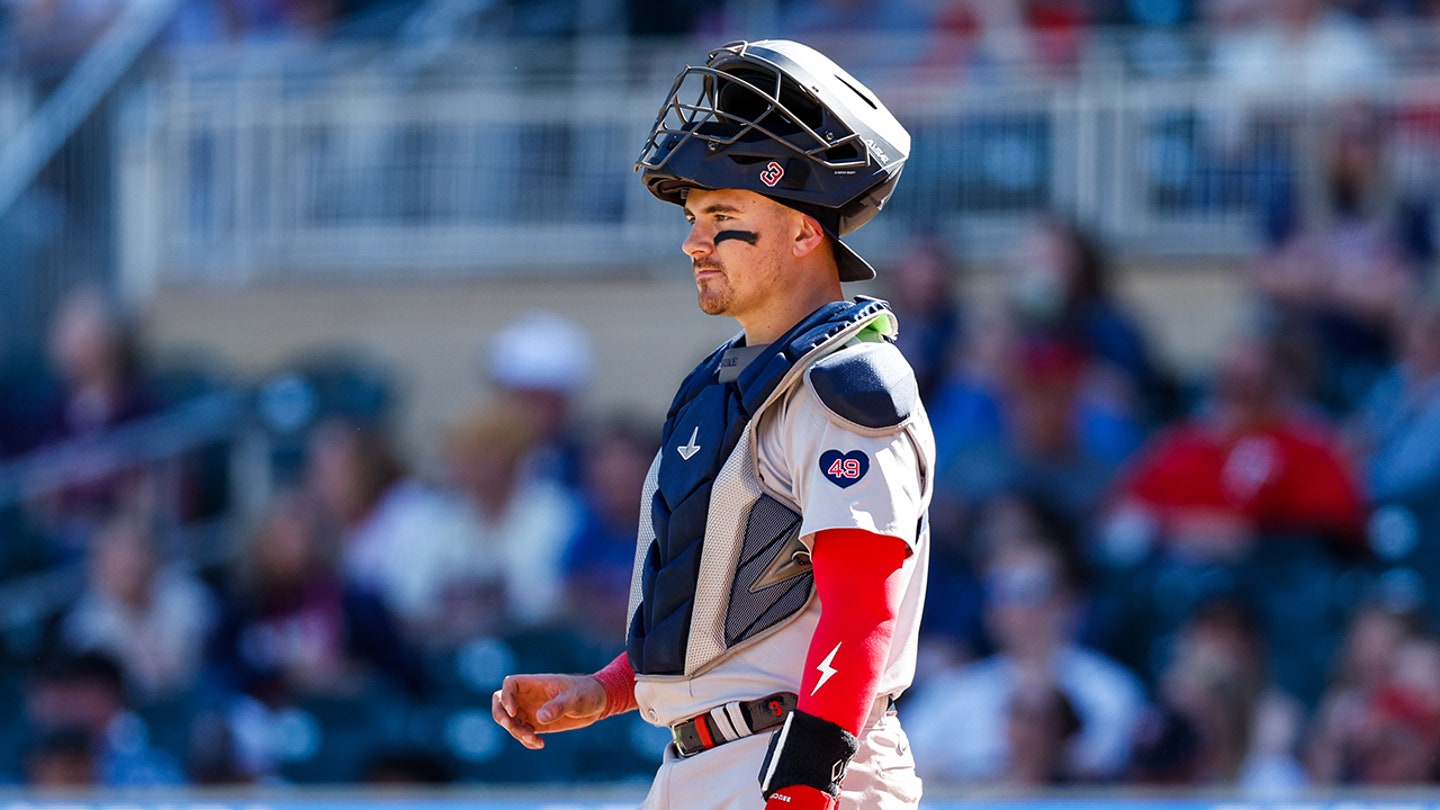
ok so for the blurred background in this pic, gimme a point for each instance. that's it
(335, 337)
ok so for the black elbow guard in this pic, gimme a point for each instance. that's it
(807, 751)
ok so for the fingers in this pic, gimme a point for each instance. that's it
(560, 707)
(529, 706)
(505, 709)
(507, 697)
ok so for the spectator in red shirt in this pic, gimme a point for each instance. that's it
(1252, 465)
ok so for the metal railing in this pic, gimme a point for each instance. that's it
(154, 443)
(56, 195)
(187, 426)
(505, 158)
(102, 66)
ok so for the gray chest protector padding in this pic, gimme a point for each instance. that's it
(708, 419)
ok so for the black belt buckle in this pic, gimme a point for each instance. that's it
(687, 737)
(760, 715)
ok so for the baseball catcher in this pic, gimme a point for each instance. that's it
(780, 566)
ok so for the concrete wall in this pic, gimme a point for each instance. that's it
(647, 332)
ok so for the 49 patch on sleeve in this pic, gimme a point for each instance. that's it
(844, 469)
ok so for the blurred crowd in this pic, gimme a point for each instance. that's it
(1148, 577)
(1324, 34)
(348, 626)
(1141, 575)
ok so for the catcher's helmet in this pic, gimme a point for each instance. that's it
(780, 119)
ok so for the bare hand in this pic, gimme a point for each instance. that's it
(530, 705)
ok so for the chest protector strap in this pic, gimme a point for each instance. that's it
(702, 429)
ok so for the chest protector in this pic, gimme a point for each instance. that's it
(719, 561)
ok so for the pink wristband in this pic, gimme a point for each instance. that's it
(618, 680)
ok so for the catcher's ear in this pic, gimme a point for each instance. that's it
(809, 236)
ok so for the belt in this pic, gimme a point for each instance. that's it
(732, 721)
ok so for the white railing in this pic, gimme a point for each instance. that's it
(302, 161)
(43, 133)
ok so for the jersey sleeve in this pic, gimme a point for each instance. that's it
(846, 478)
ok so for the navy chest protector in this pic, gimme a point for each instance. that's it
(705, 423)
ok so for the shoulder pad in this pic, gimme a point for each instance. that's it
(869, 385)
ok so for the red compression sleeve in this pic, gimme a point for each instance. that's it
(618, 679)
(801, 797)
(857, 577)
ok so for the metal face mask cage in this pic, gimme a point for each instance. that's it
(780, 119)
(742, 100)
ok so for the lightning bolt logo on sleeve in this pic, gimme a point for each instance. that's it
(826, 671)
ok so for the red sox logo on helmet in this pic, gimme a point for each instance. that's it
(772, 173)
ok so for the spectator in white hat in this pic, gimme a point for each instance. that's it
(542, 361)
